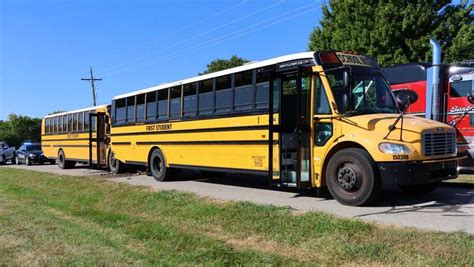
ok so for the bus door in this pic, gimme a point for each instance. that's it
(97, 136)
(293, 129)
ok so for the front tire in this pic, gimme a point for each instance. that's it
(157, 166)
(419, 188)
(351, 177)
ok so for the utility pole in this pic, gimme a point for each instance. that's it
(92, 80)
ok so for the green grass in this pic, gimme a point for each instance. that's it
(464, 179)
(47, 219)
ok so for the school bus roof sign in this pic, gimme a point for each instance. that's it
(346, 58)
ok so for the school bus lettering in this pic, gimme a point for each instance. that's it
(159, 127)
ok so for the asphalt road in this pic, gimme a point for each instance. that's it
(449, 208)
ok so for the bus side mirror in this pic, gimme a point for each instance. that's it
(470, 97)
(346, 79)
(405, 98)
(345, 102)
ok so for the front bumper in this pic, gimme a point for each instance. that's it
(467, 152)
(38, 159)
(417, 172)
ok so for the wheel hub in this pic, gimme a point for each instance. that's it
(347, 177)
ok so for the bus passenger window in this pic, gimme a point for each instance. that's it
(120, 111)
(223, 94)
(93, 123)
(46, 125)
(263, 90)
(60, 124)
(189, 99)
(69, 122)
(163, 104)
(206, 97)
(86, 121)
(243, 90)
(141, 108)
(175, 102)
(321, 102)
(131, 109)
(62, 121)
(74, 122)
(151, 106)
(80, 120)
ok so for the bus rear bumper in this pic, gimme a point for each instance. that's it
(417, 172)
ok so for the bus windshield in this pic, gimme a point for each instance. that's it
(369, 93)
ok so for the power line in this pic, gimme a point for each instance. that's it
(220, 39)
(175, 32)
(92, 79)
(151, 54)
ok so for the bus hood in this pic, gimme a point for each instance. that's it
(377, 126)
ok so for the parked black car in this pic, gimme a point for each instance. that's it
(30, 153)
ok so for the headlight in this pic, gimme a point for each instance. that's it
(31, 155)
(392, 148)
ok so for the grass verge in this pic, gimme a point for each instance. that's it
(48, 219)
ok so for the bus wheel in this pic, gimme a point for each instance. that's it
(63, 163)
(350, 177)
(419, 188)
(115, 166)
(157, 166)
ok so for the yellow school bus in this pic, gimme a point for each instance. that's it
(307, 120)
(79, 136)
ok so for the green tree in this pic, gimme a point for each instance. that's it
(396, 31)
(223, 64)
(18, 129)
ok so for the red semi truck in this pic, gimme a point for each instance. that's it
(445, 93)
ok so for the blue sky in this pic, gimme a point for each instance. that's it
(47, 46)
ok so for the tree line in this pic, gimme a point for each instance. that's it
(394, 32)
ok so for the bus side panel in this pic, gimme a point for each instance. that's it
(204, 143)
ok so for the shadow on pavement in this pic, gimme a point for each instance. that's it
(447, 198)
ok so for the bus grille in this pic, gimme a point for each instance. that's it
(435, 144)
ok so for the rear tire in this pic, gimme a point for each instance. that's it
(157, 166)
(63, 163)
(351, 177)
(419, 188)
(115, 165)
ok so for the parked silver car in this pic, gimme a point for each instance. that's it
(6, 153)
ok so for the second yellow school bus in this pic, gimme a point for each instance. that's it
(305, 120)
(77, 136)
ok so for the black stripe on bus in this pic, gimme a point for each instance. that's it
(221, 129)
(136, 162)
(66, 139)
(201, 117)
(121, 143)
(228, 170)
(208, 142)
(73, 145)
